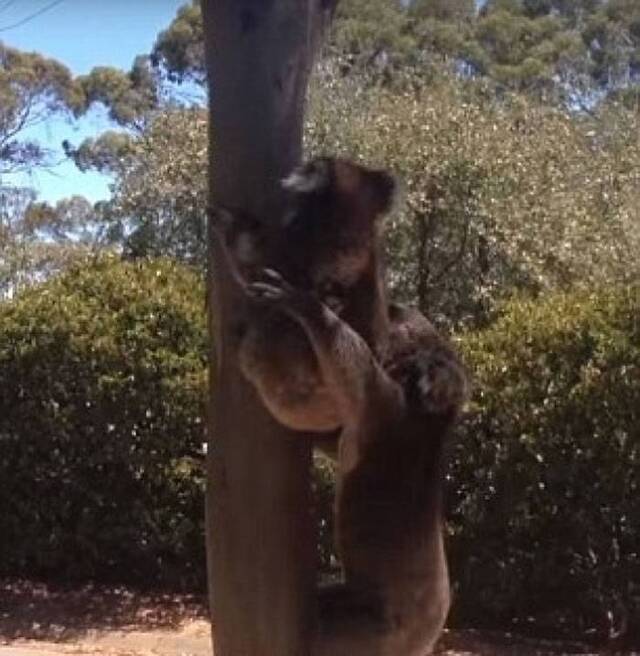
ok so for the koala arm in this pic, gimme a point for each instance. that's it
(362, 387)
(220, 221)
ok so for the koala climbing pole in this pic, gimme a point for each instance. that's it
(260, 544)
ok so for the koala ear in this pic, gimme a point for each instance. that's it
(304, 179)
(384, 187)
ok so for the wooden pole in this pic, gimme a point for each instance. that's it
(260, 541)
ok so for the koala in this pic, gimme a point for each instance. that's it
(412, 336)
(326, 242)
(395, 421)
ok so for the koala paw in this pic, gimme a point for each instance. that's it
(434, 381)
(271, 289)
(443, 385)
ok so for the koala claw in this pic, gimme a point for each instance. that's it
(262, 291)
(444, 387)
(275, 277)
(270, 288)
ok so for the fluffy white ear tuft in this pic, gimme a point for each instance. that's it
(308, 177)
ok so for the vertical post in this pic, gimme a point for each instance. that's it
(260, 542)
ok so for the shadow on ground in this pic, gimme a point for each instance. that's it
(40, 619)
(35, 611)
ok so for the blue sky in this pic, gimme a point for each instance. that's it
(81, 34)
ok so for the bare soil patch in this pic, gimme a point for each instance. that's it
(42, 620)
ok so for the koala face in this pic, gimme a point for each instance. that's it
(329, 230)
(327, 240)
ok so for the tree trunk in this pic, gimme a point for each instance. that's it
(260, 540)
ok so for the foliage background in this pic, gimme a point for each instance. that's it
(102, 373)
(545, 473)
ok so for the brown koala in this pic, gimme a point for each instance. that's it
(395, 419)
(327, 242)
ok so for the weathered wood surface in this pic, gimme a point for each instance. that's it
(260, 542)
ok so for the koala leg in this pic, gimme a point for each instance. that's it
(442, 385)
(349, 367)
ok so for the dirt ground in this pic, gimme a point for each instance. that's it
(39, 620)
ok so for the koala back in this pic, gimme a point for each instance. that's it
(327, 241)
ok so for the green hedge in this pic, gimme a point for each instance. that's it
(545, 482)
(102, 373)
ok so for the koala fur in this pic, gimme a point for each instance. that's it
(396, 418)
(327, 242)
(330, 353)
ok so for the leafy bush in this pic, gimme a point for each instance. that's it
(500, 194)
(102, 373)
(546, 474)
(101, 376)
